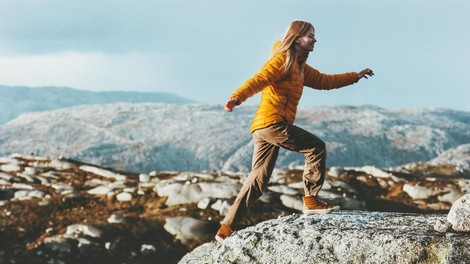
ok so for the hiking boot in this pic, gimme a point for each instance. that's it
(313, 205)
(224, 232)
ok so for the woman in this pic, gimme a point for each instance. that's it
(281, 81)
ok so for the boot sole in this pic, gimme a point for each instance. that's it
(219, 239)
(320, 211)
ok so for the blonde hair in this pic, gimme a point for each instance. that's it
(295, 30)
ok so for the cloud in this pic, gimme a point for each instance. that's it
(90, 71)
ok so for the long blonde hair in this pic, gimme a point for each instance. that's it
(295, 30)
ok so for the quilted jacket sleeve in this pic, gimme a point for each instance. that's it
(317, 80)
(268, 74)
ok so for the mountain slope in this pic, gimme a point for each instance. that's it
(17, 100)
(153, 136)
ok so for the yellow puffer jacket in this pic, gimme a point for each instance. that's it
(279, 99)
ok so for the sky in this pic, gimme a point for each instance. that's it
(205, 49)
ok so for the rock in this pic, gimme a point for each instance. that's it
(335, 172)
(103, 172)
(442, 226)
(293, 202)
(204, 203)
(147, 249)
(144, 177)
(459, 214)
(373, 171)
(221, 206)
(79, 229)
(182, 193)
(26, 177)
(188, 229)
(61, 165)
(100, 190)
(464, 185)
(21, 194)
(124, 197)
(419, 192)
(30, 171)
(36, 194)
(269, 197)
(283, 189)
(343, 237)
(451, 196)
(4, 182)
(10, 167)
(22, 186)
(116, 219)
(5, 176)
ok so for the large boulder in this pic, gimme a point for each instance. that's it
(459, 214)
(343, 237)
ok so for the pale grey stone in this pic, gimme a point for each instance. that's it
(21, 194)
(283, 189)
(30, 171)
(100, 190)
(144, 177)
(43, 180)
(124, 197)
(26, 177)
(147, 249)
(221, 206)
(293, 202)
(419, 192)
(204, 203)
(340, 237)
(269, 197)
(459, 214)
(61, 165)
(16, 185)
(188, 229)
(204, 176)
(301, 185)
(182, 193)
(80, 229)
(103, 172)
(36, 194)
(10, 167)
(335, 171)
(442, 226)
(450, 196)
(4, 182)
(116, 219)
(5, 176)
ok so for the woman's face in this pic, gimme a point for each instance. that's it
(307, 42)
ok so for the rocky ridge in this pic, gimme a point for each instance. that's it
(16, 100)
(195, 137)
(56, 210)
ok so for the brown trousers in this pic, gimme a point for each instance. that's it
(266, 148)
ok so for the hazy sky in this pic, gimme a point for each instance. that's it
(203, 50)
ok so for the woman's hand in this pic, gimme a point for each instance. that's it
(364, 73)
(230, 104)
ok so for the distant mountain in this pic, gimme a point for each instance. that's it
(17, 100)
(459, 157)
(192, 137)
